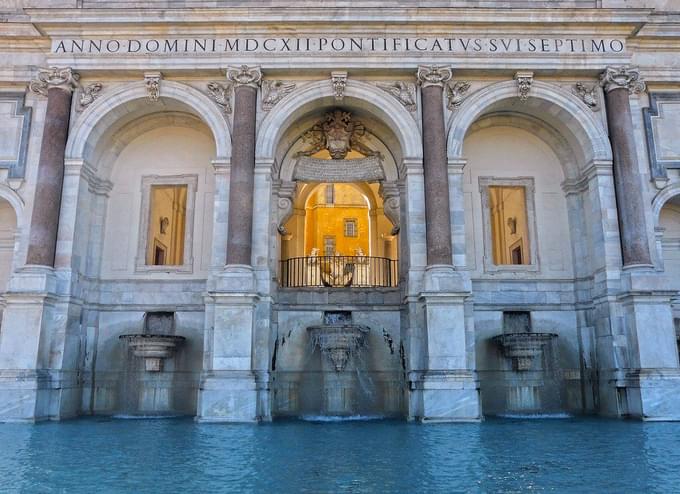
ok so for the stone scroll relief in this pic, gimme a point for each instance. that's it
(524, 82)
(402, 91)
(275, 91)
(54, 77)
(455, 93)
(389, 191)
(286, 192)
(152, 81)
(588, 94)
(88, 94)
(339, 83)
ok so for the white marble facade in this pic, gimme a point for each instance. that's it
(524, 104)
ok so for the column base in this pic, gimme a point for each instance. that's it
(445, 396)
(228, 396)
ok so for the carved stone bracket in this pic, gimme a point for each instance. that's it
(286, 192)
(588, 95)
(339, 82)
(622, 77)
(404, 92)
(88, 94)
(524, 82)
(54, 77)
(455, 92)
(433, 75)
(389, 191)
(275, 91)
(221, 94)
(152, 80)
(245, 76)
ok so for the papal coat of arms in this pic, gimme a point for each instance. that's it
(338, 133)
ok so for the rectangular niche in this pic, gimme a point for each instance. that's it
(662, 121)
(509, 224)
(15, 126)
(166, 224)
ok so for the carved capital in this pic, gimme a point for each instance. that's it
(404, 92)
(245, 76)
(433, 75)
(88, 94)
(455, 92)
(524, 82)
(221, 93)
(339, 82)
(152, 81)
(275, 91)
(624, 77)
(54, 77)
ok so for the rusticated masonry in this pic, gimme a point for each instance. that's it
(438, 235)
(58, 85)
(619, 83)
(246, 80)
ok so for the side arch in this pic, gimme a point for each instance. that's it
(15, 201)
(320, 93)
(664, 195)
(129, 101)
(556, 107)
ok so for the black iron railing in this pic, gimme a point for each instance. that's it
(339, 271)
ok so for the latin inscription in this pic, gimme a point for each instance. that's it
(460, 45)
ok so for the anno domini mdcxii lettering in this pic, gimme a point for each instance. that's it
(450, 44)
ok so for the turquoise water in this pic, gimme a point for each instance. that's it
(178, 455)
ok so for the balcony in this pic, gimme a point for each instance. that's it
(339, 272)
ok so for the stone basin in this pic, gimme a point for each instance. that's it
(153, 348)
(523, 348)
(338, 342)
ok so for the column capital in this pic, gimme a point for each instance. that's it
(624, 77)
(54, 77)
(245, 76)
(433, 75)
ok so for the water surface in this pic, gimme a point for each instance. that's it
(498, 455)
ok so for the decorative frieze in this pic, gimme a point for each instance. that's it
(245, 76)
(54, 77)
(524, 82)
(88, 94)
(221, 94)
(433, 75)
(152, 81)
(404, 92)
(588, 94)
(275, 91)
(622, 77)
(455, 93)
(339, 82)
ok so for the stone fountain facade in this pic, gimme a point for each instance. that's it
(578, 108)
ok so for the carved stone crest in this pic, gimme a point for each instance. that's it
(588, 95)
(338, 133)
(622, 77)
(52, 77)
(455, 92)
(274, 91)
(88, 94)
(339, 82)
(524, 82)
(404, 92)
(152, 81)
(433, 75)
(221, 93)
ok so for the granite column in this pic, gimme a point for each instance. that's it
(57, 84)
(435, 170)
(618, 84)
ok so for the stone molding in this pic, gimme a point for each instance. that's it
(152, 81)
(455, 92)
(588, 95)
(623, 77)
(339, 83)
(389, 191)
(17, 167)
(524, 82)
(658, 165)
(221, 94)
(404, 92)
(433, 75)
(286, 193)
(54, 77)
(245, 76)
(275, 91)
